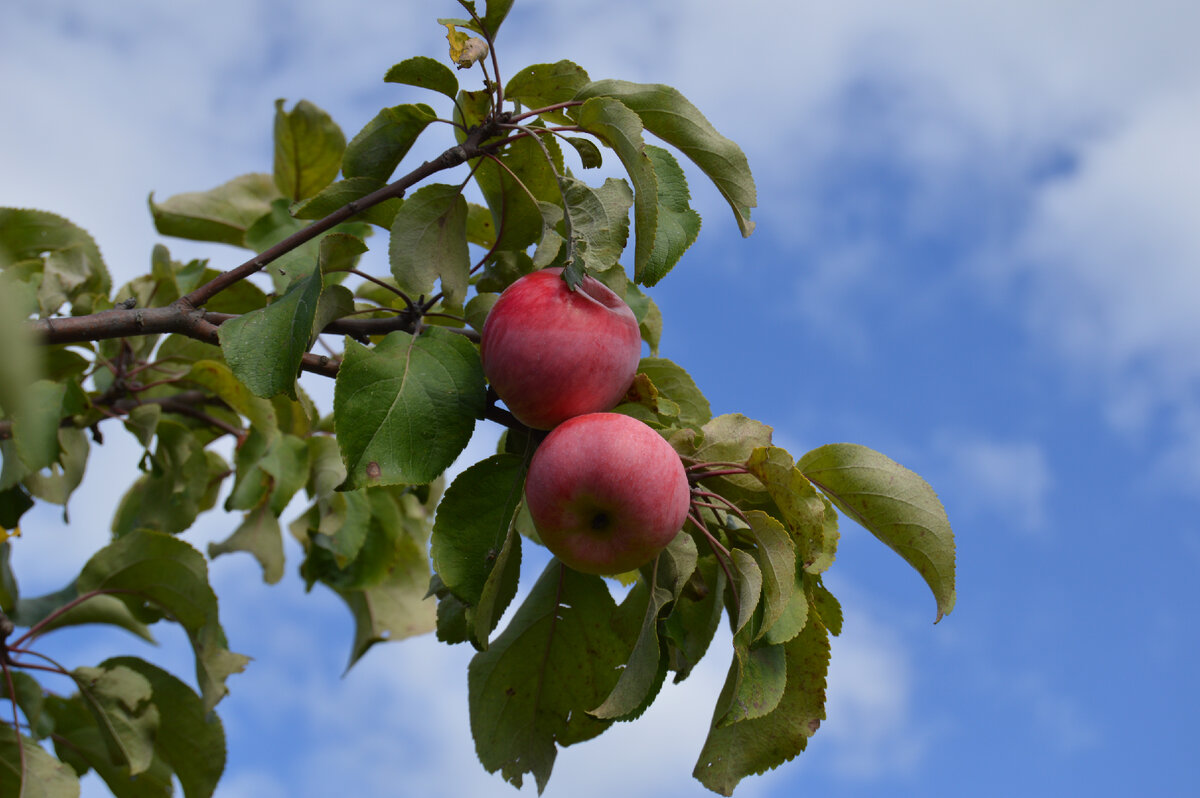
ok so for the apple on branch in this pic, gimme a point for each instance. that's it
(606, 493)
(552, 353)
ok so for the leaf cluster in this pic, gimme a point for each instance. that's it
(202, 367)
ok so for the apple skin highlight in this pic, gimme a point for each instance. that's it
(551, 353)
(606, 493)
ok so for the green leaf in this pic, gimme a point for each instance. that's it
(96, 609)
(45, 776)
(26, 234)
(747, 588)
(892, 503)
(477, 309)
(646, 669)
(176, 490)
(259, 534)
(669, 115)
(497, 10)
(339, 524)
(542, 85)
(394, 609)
(119, 700)
(481, 229)
(22, 364)
(342, 193)
(452, 619)
(339, 252)
(326, 470)
(472, 524)
(514, 187)
(189, 739)
(589, 153)
(647, 313)
(755, 684)
(57, 485)
(222, 214)
(150, 568)
(11, 469)
(678, 225)
(357, 537)
(532, 688)
(621, 129)
(31, 699)
(730, 438)
(308, 149)
(599, 226)
(677, 385)
(600, 220)
(807, 513)
(405, 409)
(498, 592)
(160, 287)
(35, 425)
(826, 605)
(793, 620)
(776, 556)
(264, 347)
(756, 745)
(693, 621)
(219, 378)
(79, 742)
(380, 146)
(425, 73)
(429, 242)
(71, 266)
(9, 594)
(285, 464)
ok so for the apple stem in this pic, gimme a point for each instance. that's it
(721, 472)
(718, 551)
(726, 505)
(694, 464)
(12, 694)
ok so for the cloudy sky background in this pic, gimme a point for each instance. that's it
(977, 251)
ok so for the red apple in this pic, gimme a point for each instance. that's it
(606, 493)
(552, 353)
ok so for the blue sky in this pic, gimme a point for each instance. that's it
(978, 251)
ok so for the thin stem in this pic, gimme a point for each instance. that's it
(472, 147)
(29, 666)
(237, 432)
(697, 464)
(450, 316)
(33, 666)
(37, 628)
(720, 473)
(568, 225)
(718, 550)
(382, 284)
(451, 122)
(728, 505)
(513, 175)
(139, 387)
(12, 696)
(537, 111)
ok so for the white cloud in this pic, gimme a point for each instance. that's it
(1054, 715)
(1008, 480)
(112, 101)
(1112, 254)
(871, 731)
